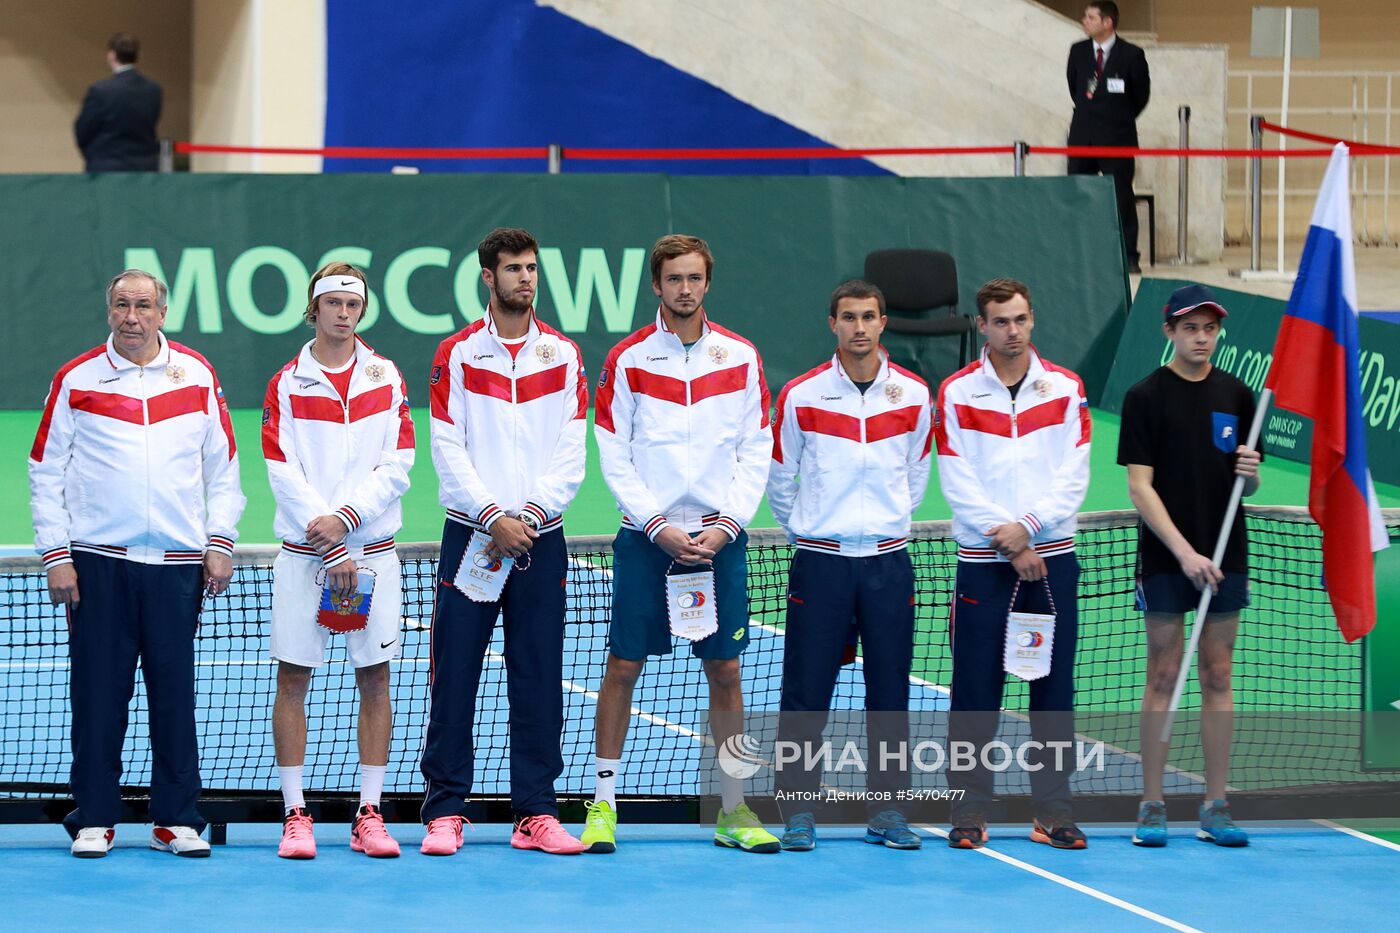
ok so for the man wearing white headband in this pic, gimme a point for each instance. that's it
(338, 440)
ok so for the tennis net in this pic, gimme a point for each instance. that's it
(1298, 685)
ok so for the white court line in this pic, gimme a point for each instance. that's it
(636, 710)
(940, 688)
(1073, 885)
(1359, 834)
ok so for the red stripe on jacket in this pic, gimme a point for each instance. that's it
(892, 423)
(187, 401)
(485, 382)
(225, 419)
(723, 382)
(41, 437)
(538, 385)
(406, 437)
(782, 406)
(830, 423)
(665, 388)
(440, 379)
(107, 404)
(607, 379)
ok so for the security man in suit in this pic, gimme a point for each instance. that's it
(116, 129)
(1109, 84)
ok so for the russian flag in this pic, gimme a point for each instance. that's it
(1315, 373)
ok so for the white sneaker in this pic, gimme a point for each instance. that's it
(93, 842)
(182, 840)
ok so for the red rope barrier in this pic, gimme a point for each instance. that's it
(1357, 148)
(795, 152)
(373, 152)
(1130, 152)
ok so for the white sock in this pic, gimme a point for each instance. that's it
(291, 788)
(606, 771)
(731, 792)
(371, 783)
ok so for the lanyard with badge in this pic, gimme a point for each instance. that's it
(1030, 638)
(690, 603)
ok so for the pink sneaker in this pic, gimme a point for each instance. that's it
(444, 836)
(369, 836)
(297, 839)
(543, 832)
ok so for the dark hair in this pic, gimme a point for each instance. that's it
(679, 244)
(1107, 10)
(125, 46)
(857, 288)
(331, 268)
(1000, 290)
(505, 240)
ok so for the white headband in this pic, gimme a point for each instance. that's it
(338, 283)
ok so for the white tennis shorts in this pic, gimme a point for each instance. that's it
(296, 599)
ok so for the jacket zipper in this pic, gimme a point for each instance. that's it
(146, 443)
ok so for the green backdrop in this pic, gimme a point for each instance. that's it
(237, 251)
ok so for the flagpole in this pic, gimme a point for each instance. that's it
(1198, 624)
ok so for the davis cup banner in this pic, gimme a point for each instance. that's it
(1246, 350)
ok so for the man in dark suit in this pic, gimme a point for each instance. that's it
(1109, 84)
(116, 129)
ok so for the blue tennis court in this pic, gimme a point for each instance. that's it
(1187, 886)
(1293, 877)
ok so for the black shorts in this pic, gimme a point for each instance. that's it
(1175, 593)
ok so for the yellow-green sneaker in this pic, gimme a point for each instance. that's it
(600, 828)
(742, 830)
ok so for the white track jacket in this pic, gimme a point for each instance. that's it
(136, 462)
(1003, 461)
(508, 433)
(683, 434)
(849, 469)
(328, 456)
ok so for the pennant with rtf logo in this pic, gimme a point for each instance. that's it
(690, 605)
(1030, 638)
(481, 576)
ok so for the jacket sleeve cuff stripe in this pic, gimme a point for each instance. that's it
(56, 556)
(489, 516)
(335, 556)
(221, 543)
(349, 516)
(730, 527)
(540, 515)
(654, 526)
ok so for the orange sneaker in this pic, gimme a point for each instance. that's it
(544, 832)
(444, 836)
(369, 836)
(297, 838)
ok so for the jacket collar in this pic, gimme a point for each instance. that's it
(531, 333)
(663, 329)
(307, 366)
(1033, 372)
(119, 362)
(880, 376)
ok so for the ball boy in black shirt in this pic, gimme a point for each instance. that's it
(1180, 440)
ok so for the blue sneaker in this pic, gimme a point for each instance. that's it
(800, 834)
(1151, 830)
(890, 829)
(1217, 827)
